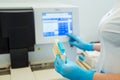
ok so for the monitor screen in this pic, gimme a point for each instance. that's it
(57, 24)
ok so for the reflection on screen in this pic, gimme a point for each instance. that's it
(57, 24)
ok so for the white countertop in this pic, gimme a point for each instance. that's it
(27, 74)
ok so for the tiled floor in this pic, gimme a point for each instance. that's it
(27, 74)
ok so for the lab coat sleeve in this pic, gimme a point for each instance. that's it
(111, 31)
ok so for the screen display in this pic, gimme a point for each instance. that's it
(57, 24)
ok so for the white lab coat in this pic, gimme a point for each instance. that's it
(109, 31)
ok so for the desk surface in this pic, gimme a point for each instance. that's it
(27, 74)
(4, 77)
(49, 74)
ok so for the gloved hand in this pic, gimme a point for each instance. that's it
(71, 70)
(79, 43)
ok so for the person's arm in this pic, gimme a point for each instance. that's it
(98, 76)
(77, 41)
(97, 46)
(72, 71)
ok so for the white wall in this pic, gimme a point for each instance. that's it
(91, 12)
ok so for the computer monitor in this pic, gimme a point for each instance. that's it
(55, 21)
(57, 24)
(17, 35)
(16, 29)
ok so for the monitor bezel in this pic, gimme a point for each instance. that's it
(40, 39)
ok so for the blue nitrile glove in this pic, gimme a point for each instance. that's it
(79, 43)
(71, 70)
(81, 57)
